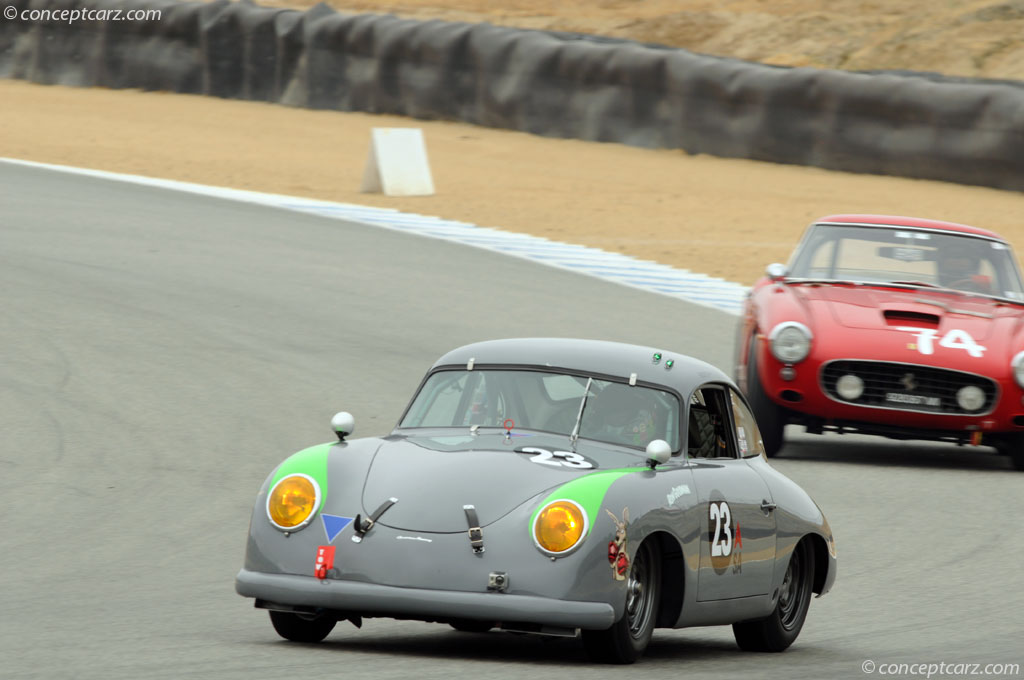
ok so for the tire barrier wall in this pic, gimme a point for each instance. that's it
(558, 85)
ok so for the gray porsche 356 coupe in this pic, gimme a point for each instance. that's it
(550, 486)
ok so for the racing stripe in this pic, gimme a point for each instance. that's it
(588, 491)
(311, 462)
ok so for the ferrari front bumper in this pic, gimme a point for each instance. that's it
(369, 599)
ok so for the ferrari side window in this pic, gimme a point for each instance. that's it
(822, 261)
(748, 436)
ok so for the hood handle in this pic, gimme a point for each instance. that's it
(361, 526)
(476, 534)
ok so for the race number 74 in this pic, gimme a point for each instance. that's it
(954, 339)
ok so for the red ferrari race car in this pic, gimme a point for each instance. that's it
(896, 326)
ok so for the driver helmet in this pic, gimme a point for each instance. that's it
(958, 262)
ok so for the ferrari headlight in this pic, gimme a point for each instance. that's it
(559, 527)
(970, 398)
(790, 342)
(292, 502)
(1018, 368)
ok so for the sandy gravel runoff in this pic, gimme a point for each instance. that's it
(726, 218)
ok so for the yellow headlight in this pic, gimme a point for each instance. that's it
(292, 502)
(559, 526)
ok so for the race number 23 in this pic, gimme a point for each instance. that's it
(721, 543)
(556, 458)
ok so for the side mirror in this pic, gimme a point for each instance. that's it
(658, 452)
(776, 271)
(344, 424)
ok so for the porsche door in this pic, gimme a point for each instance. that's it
(737, 538)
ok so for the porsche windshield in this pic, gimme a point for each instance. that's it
(885, 254)
(615, 413)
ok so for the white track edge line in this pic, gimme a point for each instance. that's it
(699, 289)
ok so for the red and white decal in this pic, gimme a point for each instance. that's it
(618, 558)
(324, 561)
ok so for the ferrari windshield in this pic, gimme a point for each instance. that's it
(887, 254)
(616, 413)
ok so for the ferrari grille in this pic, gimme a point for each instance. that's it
(908, 387)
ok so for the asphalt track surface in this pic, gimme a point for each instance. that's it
(161, 352)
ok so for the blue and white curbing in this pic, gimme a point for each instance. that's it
(623, 269)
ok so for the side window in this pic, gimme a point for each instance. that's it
(748, 436)
(820, 265)
(707, 433)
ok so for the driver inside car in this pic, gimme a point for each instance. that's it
(959, 268)
(620, 415)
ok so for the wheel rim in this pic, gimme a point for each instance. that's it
(639, 593)
(792, 593)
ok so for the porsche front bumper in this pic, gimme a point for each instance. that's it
(370, 599)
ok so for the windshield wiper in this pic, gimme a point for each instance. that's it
(922, 284)
(958, 291)
(579, 416)
(953, 310)
(836, 282)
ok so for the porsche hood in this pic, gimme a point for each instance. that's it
(433, 478)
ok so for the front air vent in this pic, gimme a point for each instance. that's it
(899, 317)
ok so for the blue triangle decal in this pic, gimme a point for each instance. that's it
(333, 525)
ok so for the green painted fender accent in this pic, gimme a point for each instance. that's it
(588, 491)
(311, 462)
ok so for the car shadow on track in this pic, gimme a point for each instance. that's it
(500, 647)
(878, 451)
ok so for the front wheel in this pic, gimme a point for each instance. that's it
(628, 637)
(1012, 445)
(767, 413)
(302, 627)
(780, 629)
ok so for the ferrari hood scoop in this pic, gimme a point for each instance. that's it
(900, 317)
(433, 485)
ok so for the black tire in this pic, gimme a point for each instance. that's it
(1012, 445)
(625, 641)
(770, 417)
(302, 627)
(780, 629)
(471, 626)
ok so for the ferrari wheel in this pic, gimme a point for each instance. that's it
(769, 416)
(302, 627)
(1013, 446)
(780, 629)
(628, 637)
(1018, 459)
